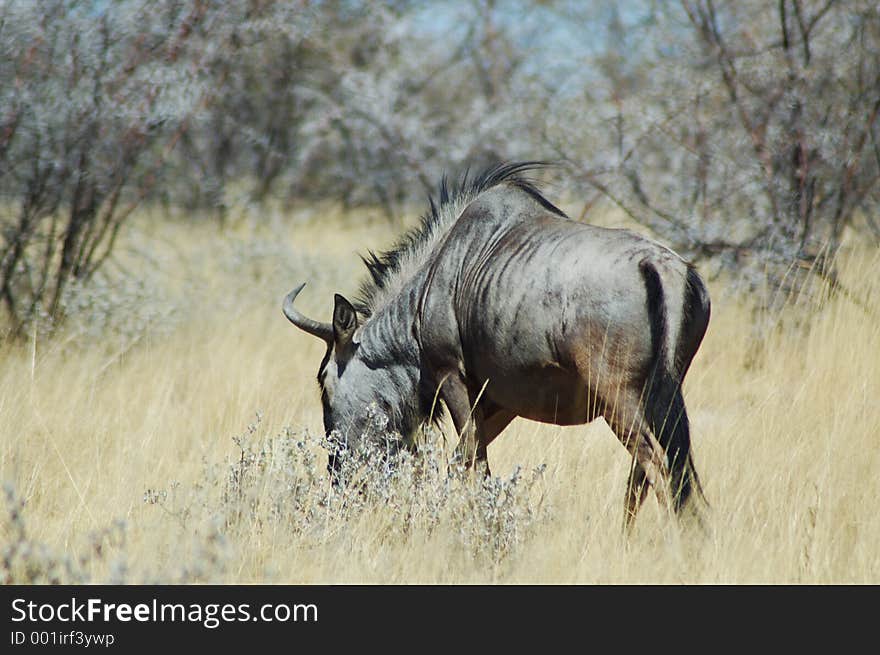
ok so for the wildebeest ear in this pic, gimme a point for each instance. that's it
(344, 321)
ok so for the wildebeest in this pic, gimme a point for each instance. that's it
(501, 306)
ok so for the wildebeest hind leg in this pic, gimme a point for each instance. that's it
(636, 491)
(648, 469)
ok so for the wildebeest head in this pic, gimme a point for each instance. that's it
(360, 397)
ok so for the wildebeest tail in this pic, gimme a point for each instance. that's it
(663, 400)
(694, 321)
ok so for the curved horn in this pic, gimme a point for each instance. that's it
(321, 330)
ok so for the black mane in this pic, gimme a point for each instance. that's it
(383, 266)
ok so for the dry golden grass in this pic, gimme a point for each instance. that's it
(121, 450)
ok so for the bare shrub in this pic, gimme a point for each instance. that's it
(283, 479)
(744, 133)
(280, 483)
(93, 101)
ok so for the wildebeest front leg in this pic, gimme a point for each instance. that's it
(493, 421)
(467, 416)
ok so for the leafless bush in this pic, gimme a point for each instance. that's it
(283, 480)
(281, 483)
(117, 309)
(747, 135)
(92, 101)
